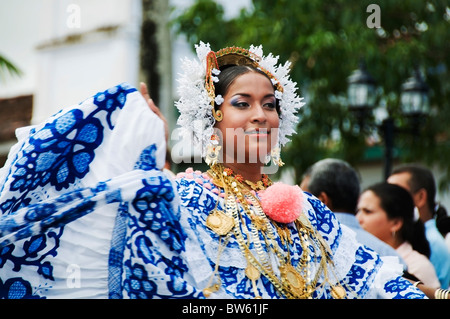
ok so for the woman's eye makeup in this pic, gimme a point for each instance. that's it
(238, 102)
(270, 104)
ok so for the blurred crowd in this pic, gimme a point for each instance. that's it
(398, 217)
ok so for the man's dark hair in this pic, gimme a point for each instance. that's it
(421, 177)
(339, 180)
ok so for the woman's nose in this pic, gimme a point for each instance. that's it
(258, 114)
(358, 216)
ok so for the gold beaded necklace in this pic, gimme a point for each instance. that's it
(269, 239)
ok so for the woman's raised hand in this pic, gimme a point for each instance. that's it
(154, 108)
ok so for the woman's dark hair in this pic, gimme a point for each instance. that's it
(398, 203)
(229, 73)
(442, 220)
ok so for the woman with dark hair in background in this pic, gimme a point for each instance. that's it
(387, 211)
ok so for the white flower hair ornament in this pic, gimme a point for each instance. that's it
(197, 95)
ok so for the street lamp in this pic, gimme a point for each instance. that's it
(414, 104)
(361, 93)
(414, 99)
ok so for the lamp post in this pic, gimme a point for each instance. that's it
(361, 93)
(388, 128)
(414, 99)
(414, 105)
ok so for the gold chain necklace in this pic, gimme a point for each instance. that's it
(259, 185)
(291, 282)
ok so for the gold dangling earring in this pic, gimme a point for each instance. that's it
(267, 159)
(276, 157)
(218, 100)
(213, 150)
(218, 115)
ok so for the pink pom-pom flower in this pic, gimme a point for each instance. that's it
(281, 202)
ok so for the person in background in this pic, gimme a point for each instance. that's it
(336, 183)
(447, 240)
(420, 183)
(387, 211)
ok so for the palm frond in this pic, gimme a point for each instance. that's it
(6, 67)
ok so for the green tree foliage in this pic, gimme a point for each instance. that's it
(6, 67)
(325, 40)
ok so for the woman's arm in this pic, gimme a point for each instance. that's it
(154, 108)
(431, 292)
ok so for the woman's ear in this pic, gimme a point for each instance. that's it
(396, 224)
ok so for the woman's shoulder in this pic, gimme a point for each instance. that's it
(319, 214)
(322, 219)
(191, 176)
(420, 265)
(195, 182)
(413, 256)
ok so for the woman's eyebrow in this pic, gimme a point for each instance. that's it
(242, 94)
(249, 95)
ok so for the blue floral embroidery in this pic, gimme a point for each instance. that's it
(325, 222)
(137, 283)
(147, 159)
(400, 287)
(112, 99)
(59, 153)
(56, 155)
(153, 202)
(16, 288)
(35, 252)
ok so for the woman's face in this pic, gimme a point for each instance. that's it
(373, 218)
(249, 127)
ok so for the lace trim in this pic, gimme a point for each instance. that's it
(345, 254)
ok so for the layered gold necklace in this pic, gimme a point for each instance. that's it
(269, 239)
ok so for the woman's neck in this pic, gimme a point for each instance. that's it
(395, 242)
(251, 172)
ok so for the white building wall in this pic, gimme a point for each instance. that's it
(86, 46)
(69, 49)
(19, 34)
